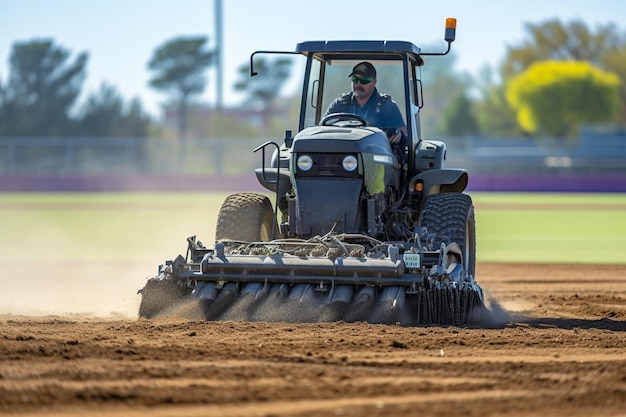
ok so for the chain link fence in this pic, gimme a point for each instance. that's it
(595, 154)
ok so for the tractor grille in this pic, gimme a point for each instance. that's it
(328, 165)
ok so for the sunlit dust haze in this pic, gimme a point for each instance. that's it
(89, 253)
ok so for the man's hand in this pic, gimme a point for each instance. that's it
(395, 135)
(395, 138)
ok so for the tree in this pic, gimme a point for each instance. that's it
(4, 111)
(179, 65)
(442, 85)
(556, 97)
(554, 40)
(42, 88)
(458, 117)
(616, 62)
(136, 122)
(106, 114)
(492, 111)
(604, 47)
(265, 87)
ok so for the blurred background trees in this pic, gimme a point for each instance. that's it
(442, 85)
(557, 97)
(43, 86)
(105, 114)
(493, 114)
(42, 94)
(264, 88)
(592, 64)
(458, 117)
(179, 67)
(40, 97)
(555, 40)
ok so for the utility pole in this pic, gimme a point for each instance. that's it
(219, 57)
(219, 53)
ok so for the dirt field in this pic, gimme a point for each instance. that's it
(557, 347)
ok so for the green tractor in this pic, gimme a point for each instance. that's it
(360, 229)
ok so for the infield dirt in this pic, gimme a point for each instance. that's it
(557, 346)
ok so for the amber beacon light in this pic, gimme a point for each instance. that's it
(450, 29)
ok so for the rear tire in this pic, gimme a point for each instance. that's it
(246, 217)
(452, 215)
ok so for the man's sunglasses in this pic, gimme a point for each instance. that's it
(362, 80)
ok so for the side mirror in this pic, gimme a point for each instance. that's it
(288, 138)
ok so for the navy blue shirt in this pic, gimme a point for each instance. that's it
(380, 110)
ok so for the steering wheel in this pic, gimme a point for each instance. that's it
(343, 120)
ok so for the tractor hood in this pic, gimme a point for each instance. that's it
(327, 195)
(342, 139)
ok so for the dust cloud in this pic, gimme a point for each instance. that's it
(91, 288)
(85, 258)
(89, 253)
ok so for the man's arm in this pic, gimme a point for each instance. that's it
(332, 108)
(338, 105)
(393, 119)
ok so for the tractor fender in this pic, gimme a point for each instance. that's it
(274, 179)
(441, 181)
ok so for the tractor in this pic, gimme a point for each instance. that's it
(352, 227)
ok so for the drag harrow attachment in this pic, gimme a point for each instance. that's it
(347, 277)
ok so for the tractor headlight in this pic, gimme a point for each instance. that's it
(305, 162)
(349, 163)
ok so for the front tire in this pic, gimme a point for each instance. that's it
(245, 217)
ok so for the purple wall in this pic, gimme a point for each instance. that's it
(127, 183)
(477, 182)
(605, 183)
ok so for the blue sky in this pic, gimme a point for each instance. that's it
(121, 35)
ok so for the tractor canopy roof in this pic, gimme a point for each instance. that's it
(329, 50)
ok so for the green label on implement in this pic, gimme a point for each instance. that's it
(412, 260)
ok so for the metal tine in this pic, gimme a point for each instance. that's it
(304, 304)
(224, 299)
(337, 302)
(270, 307)
(206, 292)
(242, 308)
(390, 306)
(361, 305)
